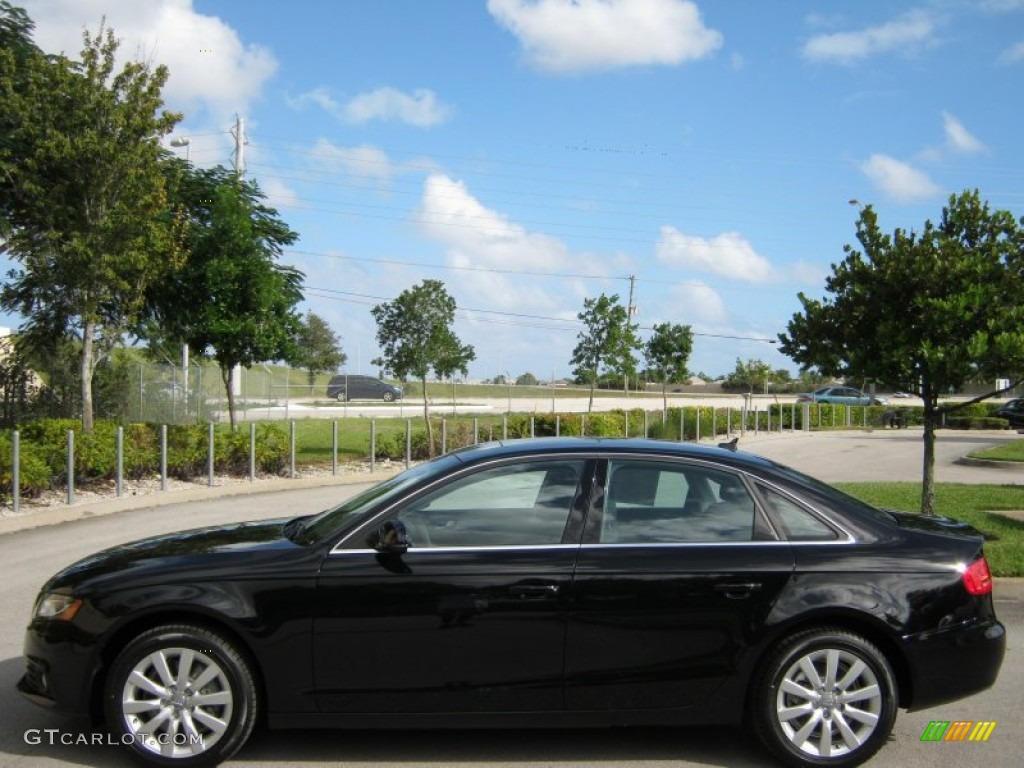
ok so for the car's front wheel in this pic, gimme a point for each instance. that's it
(389, 396)
(824, 697)
(181, 695)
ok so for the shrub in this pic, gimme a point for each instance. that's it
(976, 422)
(34, 476)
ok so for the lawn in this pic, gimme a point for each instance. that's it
(971, 503)
(1012, 451)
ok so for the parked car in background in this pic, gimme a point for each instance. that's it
(1012, 411)
(355, 387)
(841, 396)
(556, 581)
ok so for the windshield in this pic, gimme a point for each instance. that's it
(354, 508)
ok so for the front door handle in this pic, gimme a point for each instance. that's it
(738, 591)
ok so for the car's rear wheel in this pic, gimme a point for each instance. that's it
(824, 697)
(180, 695)
(340, 397)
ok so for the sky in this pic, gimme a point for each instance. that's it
(709, 157)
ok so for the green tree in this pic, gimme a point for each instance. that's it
(922, 312)
(17, 60)
(415, 336)
(606, 343)
(667, 352)
(231, 300)
(319, 348)
(752, 375)
(83, 195)
(526, 380)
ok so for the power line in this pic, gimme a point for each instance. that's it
(564, 324)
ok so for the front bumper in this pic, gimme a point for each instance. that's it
(59, 667)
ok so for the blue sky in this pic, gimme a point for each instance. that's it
(532, 154)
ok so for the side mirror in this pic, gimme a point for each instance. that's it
(391, 538)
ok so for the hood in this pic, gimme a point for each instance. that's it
(191, 549)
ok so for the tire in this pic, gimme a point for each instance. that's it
(389, 396)
(147, 710)
(340, 397)
(801, 723)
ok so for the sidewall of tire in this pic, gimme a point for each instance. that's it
(766, 686)
(235, 667)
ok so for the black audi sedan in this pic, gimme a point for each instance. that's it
(568, 582)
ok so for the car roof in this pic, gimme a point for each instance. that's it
(546, 446)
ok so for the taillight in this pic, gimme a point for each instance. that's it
(977, 577)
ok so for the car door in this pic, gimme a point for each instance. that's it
(471, 618)
(677, 571)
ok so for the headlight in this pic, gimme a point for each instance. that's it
(57, 607)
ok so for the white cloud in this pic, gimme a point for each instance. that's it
(728, 254)
(1013, 54)
(421, 108)
(211, 69)
(279, 194)
(364, 162)
(905, 33)
(899, 180)
(699, 302)
(958, 137)
(568, 36)
(487, 246)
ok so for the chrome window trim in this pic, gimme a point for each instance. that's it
(691, 544)
(417, 550)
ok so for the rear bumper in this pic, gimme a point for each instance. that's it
(954, 662)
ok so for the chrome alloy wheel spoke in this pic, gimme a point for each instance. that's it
(177, 702)
(828, 702)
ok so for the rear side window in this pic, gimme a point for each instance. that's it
(649, 502)
(798, 524)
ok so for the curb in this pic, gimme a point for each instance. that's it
(967, 461)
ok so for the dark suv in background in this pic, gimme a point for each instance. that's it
(349, 387)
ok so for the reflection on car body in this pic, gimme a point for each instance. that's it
(537, 582)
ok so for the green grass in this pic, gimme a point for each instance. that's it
(971, 503)
(1011, 451)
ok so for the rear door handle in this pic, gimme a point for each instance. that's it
(740, 590)
(535, 591)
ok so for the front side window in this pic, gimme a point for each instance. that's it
(648, 502)
(524, 504)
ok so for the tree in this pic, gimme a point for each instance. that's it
(922, 312)
(319, 348)
(414, 333)
(83, 196)
(750, 375)
(17, 60)
(230, 300)
(605, 344)
(667, 352)
(526, 380)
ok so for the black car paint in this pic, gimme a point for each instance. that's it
(623, 633)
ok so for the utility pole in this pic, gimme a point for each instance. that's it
(630, 311)
(238, 132)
